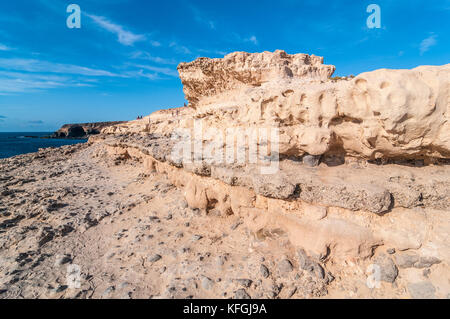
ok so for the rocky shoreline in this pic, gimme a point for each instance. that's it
(350, 199)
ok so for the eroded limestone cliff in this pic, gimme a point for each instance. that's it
(358, 174)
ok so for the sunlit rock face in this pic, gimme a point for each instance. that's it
(206, 77)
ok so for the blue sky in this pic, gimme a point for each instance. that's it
(122, 61)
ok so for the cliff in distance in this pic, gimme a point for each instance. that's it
(82, 130)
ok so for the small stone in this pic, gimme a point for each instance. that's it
(154, 258)
(124, 285)
(207, 283)
(179, 234)
(241, 294)
(108, 291)
(303, 259)
(330, 277)
(61, 260)
(406, 260)
(425, 262)
(389, 271)
(264, 271)
(197, 237)
(111, 255)
(317, 270)
(285, 266)
(390, 251)
(235, 225)
(311, 160)
(221, 260)
(289, 292)
(60, 288)
(422, 290)
(244, 282)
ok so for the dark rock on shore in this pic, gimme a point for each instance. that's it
(82, 130)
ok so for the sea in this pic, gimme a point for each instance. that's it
(12, 144)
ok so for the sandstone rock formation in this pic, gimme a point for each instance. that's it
(376, 143)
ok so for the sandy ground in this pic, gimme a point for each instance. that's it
(76, 226)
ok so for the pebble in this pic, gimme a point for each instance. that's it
(241, 294)
(422, 290)
(244, 282)
(207, 283)
(154, 258)
(61, 260)
(108, 291)
(311, 160)
(179, 234)
(264, 271)
(388, 269)
(285, 266)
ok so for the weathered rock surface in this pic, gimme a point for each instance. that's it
(360, 169)
(376, 143)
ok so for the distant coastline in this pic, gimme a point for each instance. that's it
(81, 130)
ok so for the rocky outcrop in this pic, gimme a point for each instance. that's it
(206, 77)
(82, 130)
(346, 169)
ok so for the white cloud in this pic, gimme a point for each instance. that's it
(29, 75)
(201, 19)
(165, 71)
(253, 40)
(147, 56)
(427, 43)
(179, 48)
(235, 37)
(4, 47)
(155, 43)
(124, 37)
(32, 65)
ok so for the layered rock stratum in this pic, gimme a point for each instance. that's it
(298, 185)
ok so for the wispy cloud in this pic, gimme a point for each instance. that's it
(165, 71)
(216, 52)
(202, 19)
(143, 55)
(37, 122)
(179, 48)
(252, 39)
(427, 43)
(235, 37)
(33, 65)
(155, 43)
(125, 37)
(28, 75)
(4, 48)
(22, 82)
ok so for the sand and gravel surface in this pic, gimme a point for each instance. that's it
(75, 225)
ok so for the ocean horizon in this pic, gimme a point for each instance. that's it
(18, 143)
